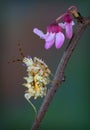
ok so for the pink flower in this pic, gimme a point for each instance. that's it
(67, 25)
(54, 34)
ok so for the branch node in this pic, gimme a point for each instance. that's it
(56, 81)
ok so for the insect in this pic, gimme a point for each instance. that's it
(37, 76)
(21, 54)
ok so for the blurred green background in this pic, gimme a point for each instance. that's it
(69, 109)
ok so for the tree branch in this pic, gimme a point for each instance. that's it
(59, 75)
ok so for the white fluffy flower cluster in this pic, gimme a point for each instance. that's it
(37, 77)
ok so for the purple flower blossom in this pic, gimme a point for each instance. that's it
(54, 34)
(54, 31)
(67, 25)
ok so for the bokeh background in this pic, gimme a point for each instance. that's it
(69, 109)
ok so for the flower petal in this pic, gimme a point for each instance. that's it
(50, 37)
(39, 33)
(62, 25)
(50, 40)
(49, 44)
(59, 40)
(72, 23)
(69, 31)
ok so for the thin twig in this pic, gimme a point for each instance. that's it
(59, 75)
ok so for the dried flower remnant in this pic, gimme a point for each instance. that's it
(37, 77)
(74, 11)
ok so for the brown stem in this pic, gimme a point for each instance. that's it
(58, 78)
